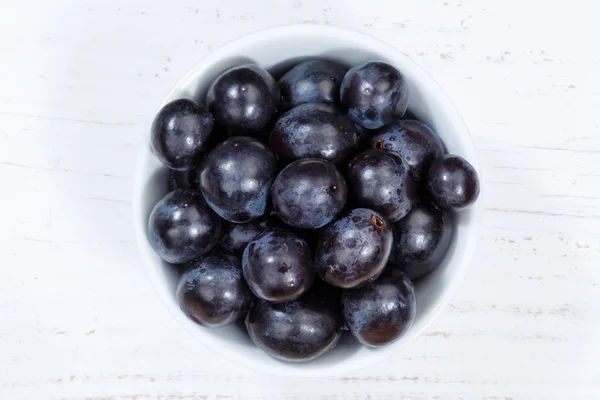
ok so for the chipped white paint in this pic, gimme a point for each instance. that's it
(79, 80)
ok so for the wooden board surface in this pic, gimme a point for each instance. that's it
(80, 80)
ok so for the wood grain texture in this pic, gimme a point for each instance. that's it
(79, 81)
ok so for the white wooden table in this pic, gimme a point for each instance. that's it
(79, 81)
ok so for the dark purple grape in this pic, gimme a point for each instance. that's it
(453, 183)
(354, 250)
(300, 330)
(179, 134)
(244, 98)
(277, 266)
(310, 236)
(421, 240)
(312, 81)
(309, 193)
(375, 94)
(182, 227)
(414, 141)
(213, 292)
(236, 177)
(314, 130)
(379, 313)
(380, 180)
(235, 237)
(184, 179)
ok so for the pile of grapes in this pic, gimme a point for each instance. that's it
(307, 205)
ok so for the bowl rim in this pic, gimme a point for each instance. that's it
(450, 289)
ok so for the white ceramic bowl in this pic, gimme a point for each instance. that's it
(276, 49)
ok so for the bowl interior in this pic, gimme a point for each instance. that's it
(278, 49)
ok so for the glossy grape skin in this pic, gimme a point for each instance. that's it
(380, 180)
(236, 177)
(354, 249)
(298, 331)
(312, 81)
(235, 237)
(277, 266)
(245, 97)
(375, 94)
(452, 183)
(416, 143)
(179, 133)
(309, 193)
(213, 292)
(421, 240)
(379, 313)
(182, 227)
(314, 130)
